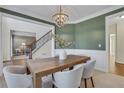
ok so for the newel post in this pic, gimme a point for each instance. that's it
(30, 54)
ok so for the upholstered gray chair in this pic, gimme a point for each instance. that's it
(15, 77)
(68, 79)
(88, 71)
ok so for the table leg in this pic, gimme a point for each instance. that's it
(71, 68)
(37, 81)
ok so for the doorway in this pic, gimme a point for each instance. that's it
(21, 43)
(112, 52)
(114, 44)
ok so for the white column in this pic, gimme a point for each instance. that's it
(1, 58)
(53, 42)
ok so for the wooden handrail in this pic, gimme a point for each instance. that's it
(40, 38)
(43, 36)
(35, 42)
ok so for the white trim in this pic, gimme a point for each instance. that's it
(112, 35)
(107, 42)
(119, 62)
(53, 43)
(107, 21)
(1, 52)
(23, 33)
(96, 14)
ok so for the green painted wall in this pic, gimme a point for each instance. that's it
(88, 34)
(67, 32)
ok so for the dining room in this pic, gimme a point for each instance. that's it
(70, 49)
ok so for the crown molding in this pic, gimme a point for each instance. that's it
(30, 13)
(96, 14)
(24, 14)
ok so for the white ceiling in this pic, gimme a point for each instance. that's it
(76, 12)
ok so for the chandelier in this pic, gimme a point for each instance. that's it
(60, 18)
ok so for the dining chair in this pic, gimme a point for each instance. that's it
(88, 71)
(16, 77)
(68, 79)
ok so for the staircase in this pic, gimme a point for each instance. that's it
(36, 45)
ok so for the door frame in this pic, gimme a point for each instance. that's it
(52, 27)
(107, 22)
(112, 35)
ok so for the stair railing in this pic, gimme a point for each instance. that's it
(39, 43)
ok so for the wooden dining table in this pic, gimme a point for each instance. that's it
(42, 67)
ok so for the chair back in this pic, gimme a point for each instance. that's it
(69, 79)
(15, 77)
(89, 68)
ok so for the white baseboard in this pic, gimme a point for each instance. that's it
(119, 62)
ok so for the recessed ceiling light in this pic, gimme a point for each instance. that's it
(122, 16)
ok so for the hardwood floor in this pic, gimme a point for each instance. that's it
(118, 69)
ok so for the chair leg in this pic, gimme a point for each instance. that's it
(53, 77)
(53, 86)
(85, 81)
(92, 82)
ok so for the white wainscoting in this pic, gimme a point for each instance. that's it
(99, 55)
